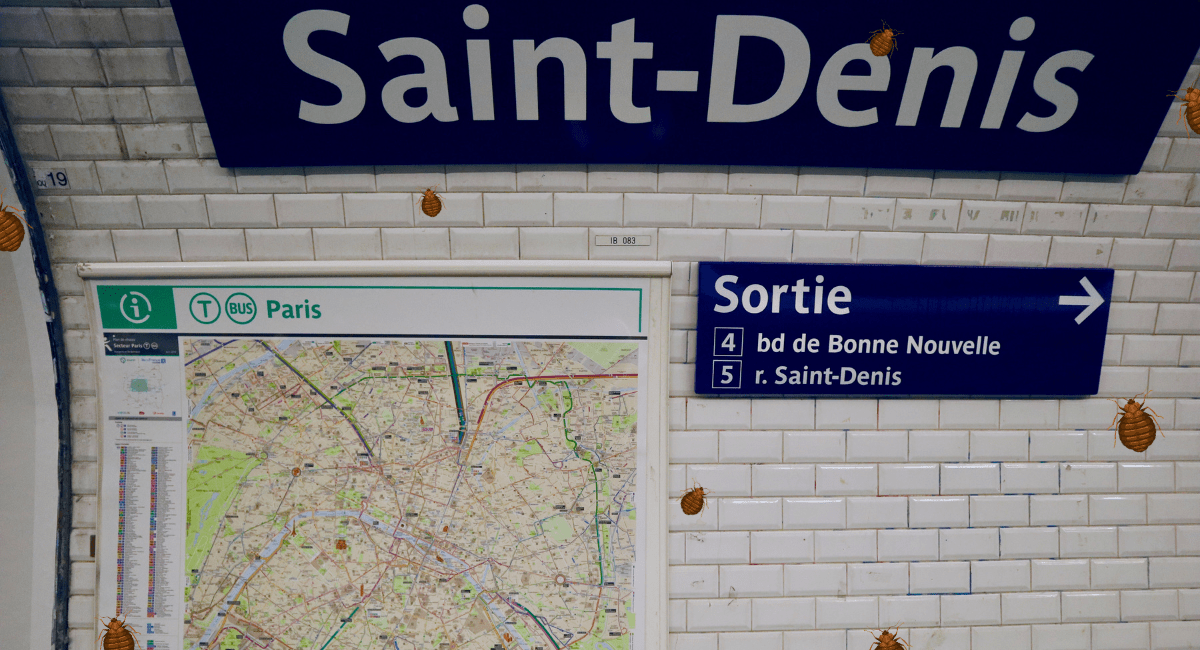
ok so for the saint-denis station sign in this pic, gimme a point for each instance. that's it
(1023, 85)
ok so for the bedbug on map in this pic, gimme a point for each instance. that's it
(340, 545)
(1136, 428)
(431, 203)
(693, 501)
(1190, 107)
(883, 41)
(12, 227)
(117, 636)
(888, 641)
(295, 471)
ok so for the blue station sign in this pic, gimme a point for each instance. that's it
(1023, 85)
(890, 330)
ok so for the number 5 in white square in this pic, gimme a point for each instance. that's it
(727, 374)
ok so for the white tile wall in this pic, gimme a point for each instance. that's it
(975, 523)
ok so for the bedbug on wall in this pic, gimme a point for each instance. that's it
(118, 636)
(431, 203)
(12, 227)
(1190, 108)
(883, 41)
(1136, 428)
(889, 641)
(693, 500)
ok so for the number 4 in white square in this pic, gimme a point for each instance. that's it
(727, 341)
(727, 374)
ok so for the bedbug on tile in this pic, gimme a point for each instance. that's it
(431, 202)
(693, 500)
(118, 636)
(1136, 428)
(12, 227)
(883, 41)
(889, 641)
(1190, 108)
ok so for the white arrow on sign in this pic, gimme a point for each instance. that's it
(1093, 300)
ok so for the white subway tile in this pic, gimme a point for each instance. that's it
(106, 211)
(687, 244)
(758, 245)
(146, 245)
(1080, 251)
(1058, 510)
(555, 244)
(670, 210)
(938, 512)
(970, 478)
(1113, 509)
(309, 210)
(970, 414)
(622, 178)
(847, 414)
(551, 178)
(865, 446)
(1028, 414)
(481, 178)
(908, 414)
(199, 176)
(1009, 637)
(188, 211)
(1008, 510)
(785, 546)
(1145, 477)
(1174, 572)
(212, 245)
(783, 480)
(909, 610)
(1018, 250)
(814, 513)
(347, 244)
(270, 179)
(890, 248)
(1175, 319)
(982, 609)
(814, 446)
(861, 214)
(999, 445)
(720, 480)
(1086, 188)
(783, 414)
(380, 210)
(899, 183)
(1154, 605)
(991, 217)
(795, 212)
(279, 244)
(1173, 508)
(741, 581)
(815, 640)
(723, 211)
(1126, 318)
(845, 546)
(1028, 542)
(927, 215)
(1030, 187)
(241, 211)
(762, 180)
(1140, 253)
(833, 613)
(960, 250)
(127, 176)
(1138, 541)
(1059, 574)
(707, 413)
(159, 141)
(416, 243)
(877, 512)
(919, 545)
(1028, 478)
(409, 178)
(1162, 286)
(1094, 541)
(1120, 574)
(692, 581)
(1185, 256)
(1090, 607)
(948, 446)
(908, 479)
(1117, 220)
(518, 209)
(1054, 219)
(969, 544)
(877, 578)
(965, 185)
(783, 614)
(825, 246)
(846, 479)
(1000, 575)
(1169, 221)
(750, 514)
(1151, 188)
(831, 181)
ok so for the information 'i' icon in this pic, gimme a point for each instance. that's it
(135, 307)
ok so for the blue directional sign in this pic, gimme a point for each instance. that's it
(889, 330)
